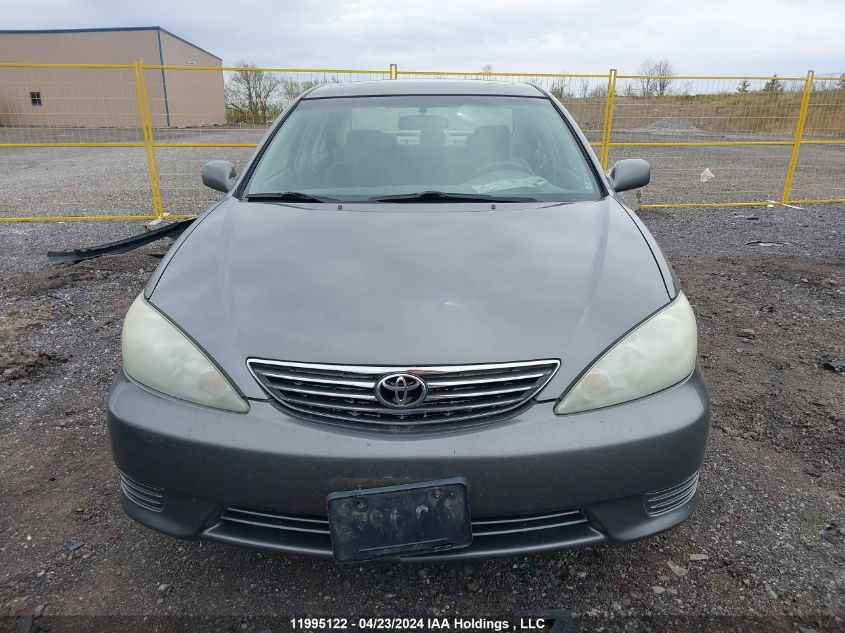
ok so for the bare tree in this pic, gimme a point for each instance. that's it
(645, 86)
(486, 69)
(658, 77)
(584, 88)
(561, 87)
(290, 89)
(249, 93)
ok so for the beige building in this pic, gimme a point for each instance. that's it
(106, 97)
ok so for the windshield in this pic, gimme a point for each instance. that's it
(367, 148)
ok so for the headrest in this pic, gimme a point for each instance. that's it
(493, 141)
(364, 145)
(432, 138)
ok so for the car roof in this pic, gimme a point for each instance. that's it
(389, 87)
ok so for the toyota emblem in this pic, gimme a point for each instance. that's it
(401, 391)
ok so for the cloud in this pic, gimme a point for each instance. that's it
(715, 37)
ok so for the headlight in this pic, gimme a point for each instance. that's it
(158, 355)
(657, 354)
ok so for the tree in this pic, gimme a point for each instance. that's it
(486, 69)
(774, 85)
(584, 88)
(658, 77)
(840, 84)
(744, 86)
(249, 93)
(561, 87)
(290, 89)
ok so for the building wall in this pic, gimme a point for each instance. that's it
(101, 97)
(194, 97)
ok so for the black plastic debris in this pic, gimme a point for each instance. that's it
(763, 243)
(835, 364)
(125, 245)
(25, 624)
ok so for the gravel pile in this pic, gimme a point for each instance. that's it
(674, 126)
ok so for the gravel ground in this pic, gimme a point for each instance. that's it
(764, 551)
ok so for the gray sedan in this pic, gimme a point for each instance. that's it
(420, 325)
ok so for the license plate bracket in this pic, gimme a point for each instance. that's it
(409, 519)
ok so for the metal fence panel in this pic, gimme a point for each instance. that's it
(75, 113)
(820, 168)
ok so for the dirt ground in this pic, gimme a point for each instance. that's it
(764, 551)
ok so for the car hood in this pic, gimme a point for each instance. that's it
(410, 284)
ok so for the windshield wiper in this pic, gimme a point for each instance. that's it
(288, 196)
(443, 196)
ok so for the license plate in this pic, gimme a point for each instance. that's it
(430, 516)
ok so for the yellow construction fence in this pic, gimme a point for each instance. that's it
(126, 141)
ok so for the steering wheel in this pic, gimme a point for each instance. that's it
(514, 164)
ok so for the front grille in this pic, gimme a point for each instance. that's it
(456, 394)
(491, 536)
(672, 497)
(145, 495)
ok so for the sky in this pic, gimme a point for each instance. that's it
(739, 37)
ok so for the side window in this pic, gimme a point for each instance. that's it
(312, 163)
(35, 98)
(562, 162)
(338, 128)
(278, 161)
(319, 141)
(279, 154)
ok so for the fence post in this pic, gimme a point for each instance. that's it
(147, 128)
(796, 140)
(608, 118)
(394, 71)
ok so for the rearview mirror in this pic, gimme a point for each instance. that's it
(220, 175)
(631, 173)
(423, 122)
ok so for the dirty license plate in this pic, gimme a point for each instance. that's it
(409, 519)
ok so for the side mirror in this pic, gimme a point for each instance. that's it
(631, 173)
(220, 175)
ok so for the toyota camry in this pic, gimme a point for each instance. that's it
(420, 324)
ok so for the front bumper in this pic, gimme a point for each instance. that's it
(530, 473)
